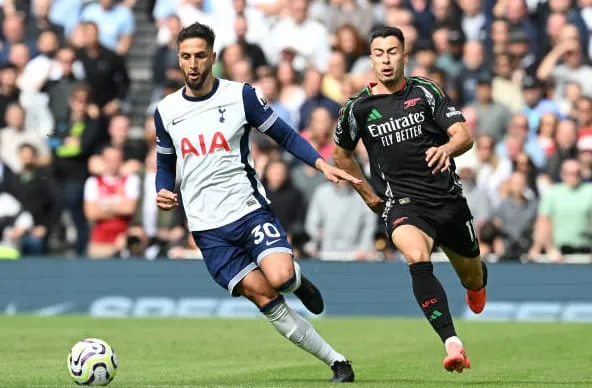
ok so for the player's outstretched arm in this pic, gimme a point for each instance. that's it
(260, 115)
(295, 144)
(344, 159)
(438, 158)
(335, 174)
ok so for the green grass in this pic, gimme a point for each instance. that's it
(249, 353)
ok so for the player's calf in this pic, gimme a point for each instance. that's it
(431, 298)
(286, 277)
(472, 272)
(475, 282)
(474, 277)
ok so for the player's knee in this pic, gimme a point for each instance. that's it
(282, 278)
(417, 256)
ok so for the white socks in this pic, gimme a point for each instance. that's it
(454, 340)
(299, 331)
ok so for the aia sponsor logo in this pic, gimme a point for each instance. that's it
(204, 147)
(410, 103)
(399, 221)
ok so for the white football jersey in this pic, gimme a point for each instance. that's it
(210, 137)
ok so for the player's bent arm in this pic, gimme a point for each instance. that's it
(460, 140)
(344, 159)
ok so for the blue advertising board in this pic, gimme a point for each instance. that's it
(134, 288)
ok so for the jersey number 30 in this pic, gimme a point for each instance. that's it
(260, 231)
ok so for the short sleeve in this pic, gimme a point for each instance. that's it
(91, 189)
(258, 112)
(132, 187)
(164, 143)
(128, 21)
(546, 205)
(347, 132)
(444, 112)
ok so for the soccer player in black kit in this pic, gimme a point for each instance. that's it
(412, 132)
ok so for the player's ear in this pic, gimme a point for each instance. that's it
(213, 56)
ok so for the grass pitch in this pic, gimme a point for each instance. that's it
(250, 353)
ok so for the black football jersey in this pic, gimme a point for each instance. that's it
(397, 130)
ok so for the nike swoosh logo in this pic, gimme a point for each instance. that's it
(177, 121)
(268, 243)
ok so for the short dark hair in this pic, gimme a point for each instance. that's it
(384, 31)
(197, 30)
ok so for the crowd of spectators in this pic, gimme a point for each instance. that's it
(74, 181)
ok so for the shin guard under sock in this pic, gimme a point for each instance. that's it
(431, 298)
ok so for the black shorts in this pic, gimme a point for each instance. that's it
(449, 224)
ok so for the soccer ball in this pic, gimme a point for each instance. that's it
(92, 362)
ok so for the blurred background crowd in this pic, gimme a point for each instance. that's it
(79, 81)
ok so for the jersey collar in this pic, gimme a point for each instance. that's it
(205, 96)
(371, 85)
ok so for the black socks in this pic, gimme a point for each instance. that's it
(432, 299)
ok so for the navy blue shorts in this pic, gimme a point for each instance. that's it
(232, 251)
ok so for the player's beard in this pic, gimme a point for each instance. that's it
(196, 85)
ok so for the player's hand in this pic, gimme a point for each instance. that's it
(166, 200)
(438, 159)
(335, 174)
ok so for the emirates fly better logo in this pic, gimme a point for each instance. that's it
(392, 130)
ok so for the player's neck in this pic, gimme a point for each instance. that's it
(205, 89)
(381, 88)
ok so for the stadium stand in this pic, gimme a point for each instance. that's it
(77, 77)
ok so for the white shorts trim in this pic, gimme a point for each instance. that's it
(269, 251)
(240, 276)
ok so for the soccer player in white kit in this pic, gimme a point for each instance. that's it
(206, 124)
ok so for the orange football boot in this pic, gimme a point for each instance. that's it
(476, 300)
(456, 360)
